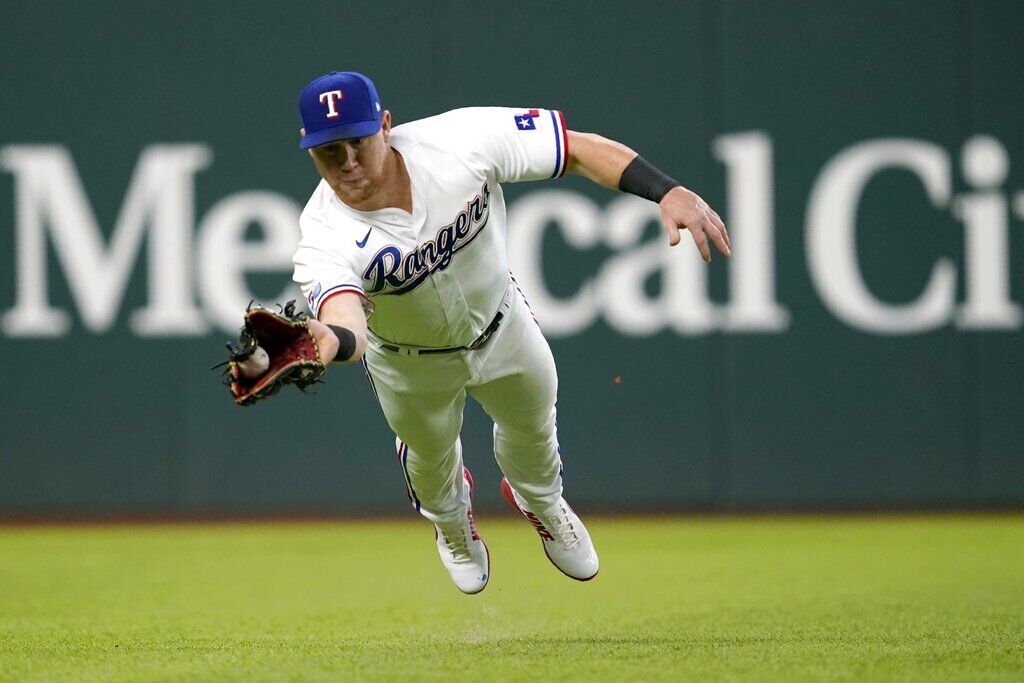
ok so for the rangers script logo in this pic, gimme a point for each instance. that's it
(393, 272)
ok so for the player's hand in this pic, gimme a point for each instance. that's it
(684, 210)
(326, 340)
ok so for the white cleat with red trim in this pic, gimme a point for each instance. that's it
(463, 553)
(566, 541)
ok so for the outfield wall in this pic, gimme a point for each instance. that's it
(863, 347)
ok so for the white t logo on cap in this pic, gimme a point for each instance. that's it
(329, 98)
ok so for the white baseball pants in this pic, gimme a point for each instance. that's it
(513, 378)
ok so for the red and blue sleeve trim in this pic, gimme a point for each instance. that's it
(333, 291)
(561, 143)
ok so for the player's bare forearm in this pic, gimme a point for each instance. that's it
(344, 310)
(617, 167)
(598, 159)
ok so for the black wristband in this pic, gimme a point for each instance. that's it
(644, 180)
(346, 343)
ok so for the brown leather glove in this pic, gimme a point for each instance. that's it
(291, 349)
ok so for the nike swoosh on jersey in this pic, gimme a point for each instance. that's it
(362, 243)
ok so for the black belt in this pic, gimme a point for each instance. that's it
(472, 346)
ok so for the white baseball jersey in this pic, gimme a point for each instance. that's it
(435, 277)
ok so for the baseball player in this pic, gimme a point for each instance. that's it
(403, 263)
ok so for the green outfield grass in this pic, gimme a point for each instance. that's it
(922, 598)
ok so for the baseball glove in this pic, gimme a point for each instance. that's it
(292, 354)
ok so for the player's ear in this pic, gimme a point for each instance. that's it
(385, 124)
(302, 134)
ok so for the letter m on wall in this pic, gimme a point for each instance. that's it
(49, 199)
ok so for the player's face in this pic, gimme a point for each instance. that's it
(354, 168)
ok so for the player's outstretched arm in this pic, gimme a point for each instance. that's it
(617, 167)
(340, 331)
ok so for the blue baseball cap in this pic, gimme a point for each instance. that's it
(337, 106)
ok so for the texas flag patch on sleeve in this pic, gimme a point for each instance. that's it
(526, 121)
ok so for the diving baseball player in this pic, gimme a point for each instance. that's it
(403, 263)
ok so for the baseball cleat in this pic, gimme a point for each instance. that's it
(566, 541)
(463, 553)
